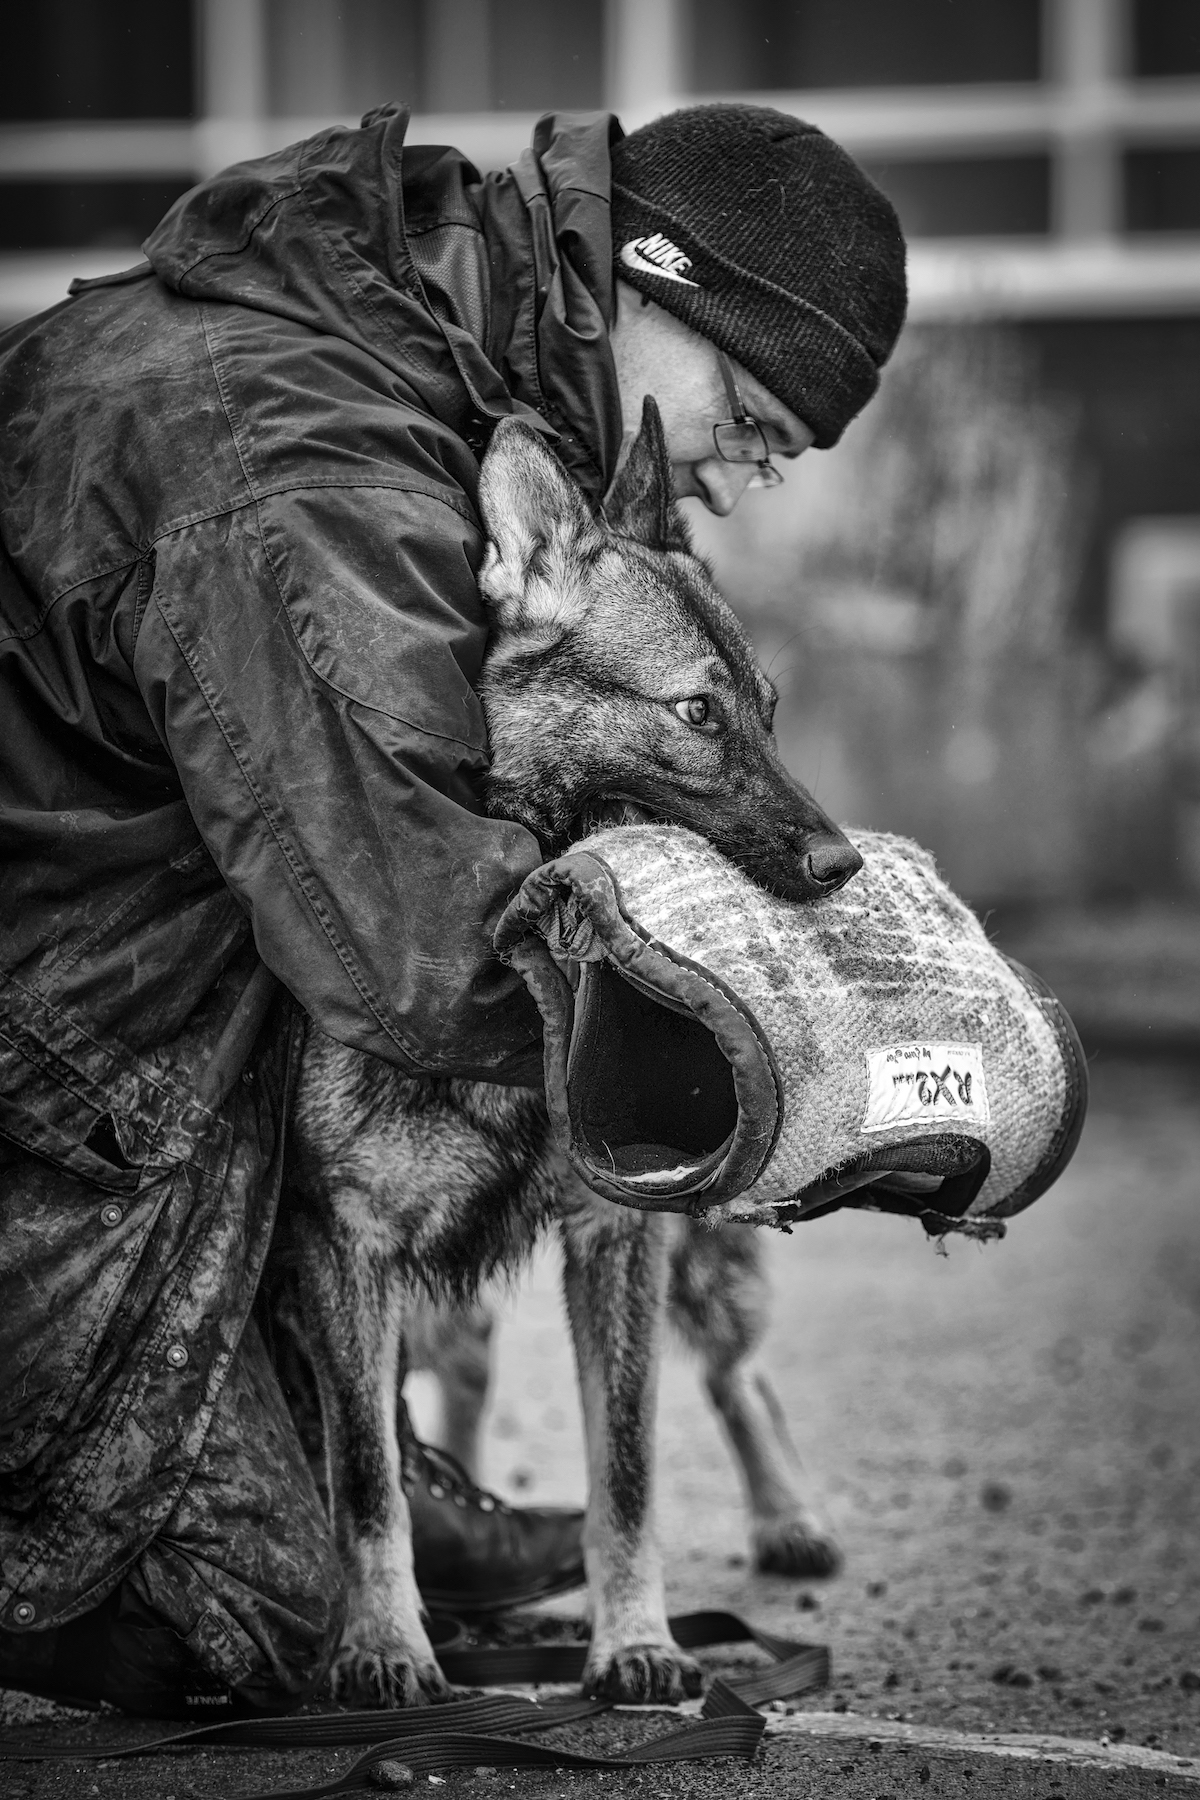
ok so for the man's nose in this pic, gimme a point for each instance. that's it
(722, 484)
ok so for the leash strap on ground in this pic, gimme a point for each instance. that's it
(735, 1730)
(799, 1667)
(492, 1730)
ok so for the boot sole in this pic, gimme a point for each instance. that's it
(475, 1605)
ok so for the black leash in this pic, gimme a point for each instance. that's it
(493, 1730)
(798, 1667)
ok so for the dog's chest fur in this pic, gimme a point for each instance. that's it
(452, 1180)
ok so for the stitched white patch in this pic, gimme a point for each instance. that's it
(925, 1084)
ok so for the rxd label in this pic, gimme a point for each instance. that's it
(924, 1084)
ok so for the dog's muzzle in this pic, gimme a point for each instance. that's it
(710, 1048)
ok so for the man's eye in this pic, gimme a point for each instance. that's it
(694, 711)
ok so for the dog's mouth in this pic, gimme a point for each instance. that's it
(607, 810)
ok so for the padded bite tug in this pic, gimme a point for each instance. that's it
(711, 1048)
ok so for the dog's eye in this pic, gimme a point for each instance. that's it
(694, 711)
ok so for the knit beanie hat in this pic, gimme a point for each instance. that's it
(710, 1048)
(763, 235)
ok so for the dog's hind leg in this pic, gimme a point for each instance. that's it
(718, 1301)
(615, 1275)
(454, 1344)
(352, 1301)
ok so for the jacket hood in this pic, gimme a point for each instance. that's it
(316, 233)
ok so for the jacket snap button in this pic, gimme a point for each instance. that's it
(24, 1612)
(111, 1215)
(177, 1356)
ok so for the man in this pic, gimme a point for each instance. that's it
(240, 632)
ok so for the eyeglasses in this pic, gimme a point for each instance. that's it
(742, 439)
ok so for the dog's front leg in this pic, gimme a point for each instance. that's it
(616, 1284)
(351, 1316)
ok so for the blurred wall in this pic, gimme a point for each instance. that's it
(982, 608)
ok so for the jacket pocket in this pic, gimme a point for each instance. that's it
(59, 1112)
(77, 1137)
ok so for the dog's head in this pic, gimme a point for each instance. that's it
(617, 677)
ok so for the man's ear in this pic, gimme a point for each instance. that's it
(537, 522)
(641, 503)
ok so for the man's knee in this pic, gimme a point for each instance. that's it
(267, 1640)
(242, 1654)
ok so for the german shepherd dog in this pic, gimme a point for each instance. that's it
(616, 677)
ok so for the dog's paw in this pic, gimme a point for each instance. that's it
(643, 1674)
(391, 1677)
(795, 1546)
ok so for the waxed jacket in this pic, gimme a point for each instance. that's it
(239, 632)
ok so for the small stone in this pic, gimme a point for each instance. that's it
(1151, 1625)
(1008, 1675)
(1091, 1597)
(390, 1775)
(807, 1602)
(891, 1679)
(1049, 1671)
(1189, 1681)
(1124, 1596)
(876, 1590)
(995, 1496)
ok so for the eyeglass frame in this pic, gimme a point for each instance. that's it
(767, 476)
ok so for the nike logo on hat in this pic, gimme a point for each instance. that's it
(657, 255)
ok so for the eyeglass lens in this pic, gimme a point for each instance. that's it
(742, 439)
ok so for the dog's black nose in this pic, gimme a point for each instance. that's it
(830, 862)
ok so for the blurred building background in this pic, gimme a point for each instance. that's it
(983, 608)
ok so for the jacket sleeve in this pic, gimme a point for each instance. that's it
(308, 661)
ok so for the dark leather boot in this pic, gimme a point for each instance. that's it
(472, 1552)
(475, 1554)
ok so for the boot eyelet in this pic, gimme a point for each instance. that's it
(436, 1491)
(486, 1503)
(460, 1499)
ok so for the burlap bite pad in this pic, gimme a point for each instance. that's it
(785, 1049)
(892, 963)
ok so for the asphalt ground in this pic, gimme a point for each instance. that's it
(1006, 1442)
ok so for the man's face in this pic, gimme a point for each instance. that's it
(656, 354)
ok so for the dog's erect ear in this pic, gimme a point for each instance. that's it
(642, 502)
(538, 526)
